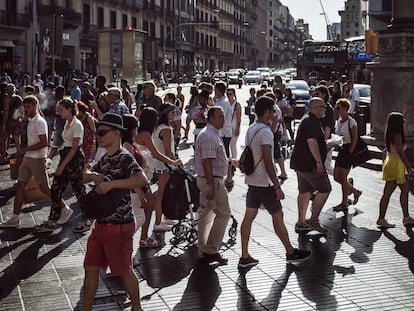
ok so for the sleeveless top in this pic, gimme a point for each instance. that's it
(158, 165)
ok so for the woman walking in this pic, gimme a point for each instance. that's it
(69, 170)
(88, 123)
(145, 143)
(394, 169)
(347, 128)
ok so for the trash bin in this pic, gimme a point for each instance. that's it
(362, 125)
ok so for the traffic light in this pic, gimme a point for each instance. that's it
(371, 42)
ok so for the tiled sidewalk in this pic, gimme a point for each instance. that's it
(355, 267)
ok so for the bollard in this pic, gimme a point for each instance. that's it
(362, 125)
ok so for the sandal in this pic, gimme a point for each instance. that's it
(383, 223)
(282, 178)
(149, 243)
(340, 208)
(356, 197)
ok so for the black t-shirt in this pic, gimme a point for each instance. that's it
(154, 102)
(302, 159)
(328, 120)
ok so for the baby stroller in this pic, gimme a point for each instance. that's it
(181, 199)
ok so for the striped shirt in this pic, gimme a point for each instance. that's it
(209, 145)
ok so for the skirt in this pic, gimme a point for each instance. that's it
(394, 169)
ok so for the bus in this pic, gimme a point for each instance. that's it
(328, 60)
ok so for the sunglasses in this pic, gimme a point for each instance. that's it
(102, 133)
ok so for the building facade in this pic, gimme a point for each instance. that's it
(181, 36)
(353, 19)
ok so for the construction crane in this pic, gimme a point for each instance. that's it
(328, 23)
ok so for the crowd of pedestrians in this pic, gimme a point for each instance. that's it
(101, 139)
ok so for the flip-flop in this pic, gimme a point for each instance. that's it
(282, 178)
(149, 243)
(356, 197)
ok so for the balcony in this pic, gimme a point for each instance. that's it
(14, 20)
(71, 18)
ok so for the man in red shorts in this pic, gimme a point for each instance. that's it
(110, 243)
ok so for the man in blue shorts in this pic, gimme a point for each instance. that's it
(263, 185)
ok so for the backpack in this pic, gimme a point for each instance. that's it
(246, 162)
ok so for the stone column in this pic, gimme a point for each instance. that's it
(393, 74)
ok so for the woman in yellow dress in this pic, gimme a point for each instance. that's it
(395, 169)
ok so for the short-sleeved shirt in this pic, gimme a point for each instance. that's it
(223, 102)
(120, 165)
(328, 120)
(209, 145)
(343, 129)
(302, 159)
(37, 126)
(279, 120)
(119, 107)
(153, 101)
(72, 130)
(263, 137)
(75, 93)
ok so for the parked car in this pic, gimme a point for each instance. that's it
(253, 76)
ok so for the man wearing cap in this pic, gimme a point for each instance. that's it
(110, 243)
(75, 92)
(150, 99)
(116, 105)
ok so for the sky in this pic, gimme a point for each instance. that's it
(310, 11)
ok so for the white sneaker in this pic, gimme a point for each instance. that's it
(64, 215)
(162, 227)
(12, 222)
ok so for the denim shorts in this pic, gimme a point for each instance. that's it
(257, 196)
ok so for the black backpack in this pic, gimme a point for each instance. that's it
(246, 162)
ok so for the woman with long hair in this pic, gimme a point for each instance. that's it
(88, 123)
(70, 169)
(394, 169)
(347, 128)
(144, 139)
(142, 199)
(191, 109)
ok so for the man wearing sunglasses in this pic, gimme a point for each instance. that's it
(308, 158)
(111, 241)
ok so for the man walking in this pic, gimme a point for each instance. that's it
(34, 161)
(210, 164)
(308, 158)
(263, 185)
(111, 241)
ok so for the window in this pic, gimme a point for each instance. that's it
(356, 24)
(124, 21)
(356, 33)
(348, 33)
(100, 18)
(113, 20)
(68, 4)
(145, 25)
(152, 30)
(134, 23)
(86, 16)
(162, 33)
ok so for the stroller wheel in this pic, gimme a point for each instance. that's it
(191, 236)
(232, 233)
(174, 241)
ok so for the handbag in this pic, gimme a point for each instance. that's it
(96, 205)
(361, 153)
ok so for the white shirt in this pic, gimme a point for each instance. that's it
(223, 102)
(159, 144)
(353, 98)
(343, 129)
(72, 130)
(279, 117)
(37, 126)
(259, 177)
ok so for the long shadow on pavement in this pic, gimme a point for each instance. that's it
(28, 262)
(203, 289)
(404, 248)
